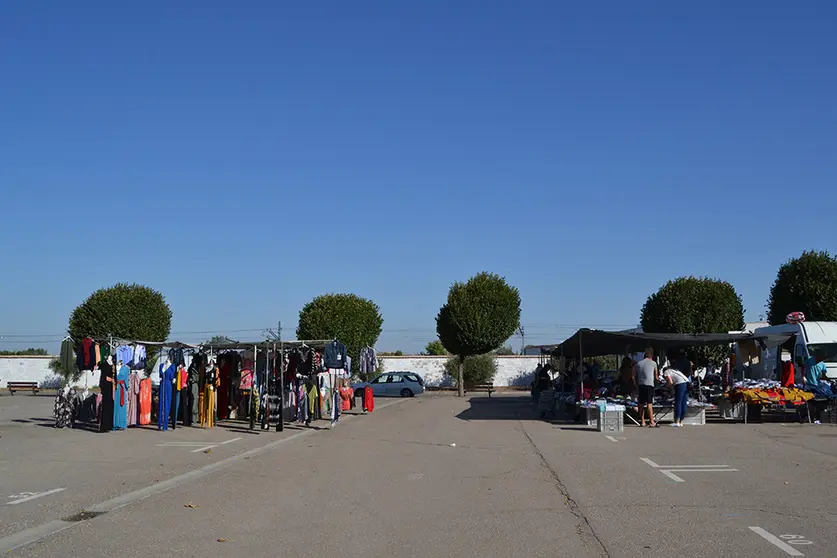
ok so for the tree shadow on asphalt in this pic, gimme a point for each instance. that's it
(507, 408)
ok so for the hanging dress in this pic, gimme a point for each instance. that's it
(164, 411)
(368, 399)
(208, 418)
(133, 398)
(120, 403)
(106, 386)
(64, 410)
(223, 391)
(346, 396)
(145, 401)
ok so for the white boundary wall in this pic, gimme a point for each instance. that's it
(511, 370)
(36, 369)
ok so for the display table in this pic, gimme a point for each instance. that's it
(770, 399)
(695, 416)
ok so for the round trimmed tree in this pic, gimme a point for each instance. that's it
(806, 284)
(477, 369)
(695, 305)
(353, 320)
(478, 317)
(124, 311)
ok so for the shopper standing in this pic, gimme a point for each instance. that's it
(626, 377)
(644, 373)
(679, 383)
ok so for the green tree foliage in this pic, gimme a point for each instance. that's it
(392, 353)
(505, 350)
(435, 348)
(806, 284)
(695, 305)
(478, 316)
(25, 352)
(608, 362)
(69, 376)
(220, 340)
(125, 311)
(349, 318)
(478, 369)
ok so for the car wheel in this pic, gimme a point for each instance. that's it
(406, 392)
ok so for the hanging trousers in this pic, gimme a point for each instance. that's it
(194, 405)
(165, 404)
(175, 406)
(335, 406)
(208, 419)
(304, 411)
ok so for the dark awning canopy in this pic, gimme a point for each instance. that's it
(594, 342)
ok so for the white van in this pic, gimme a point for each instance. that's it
(810, 339)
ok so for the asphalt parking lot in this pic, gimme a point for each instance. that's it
(429, 476)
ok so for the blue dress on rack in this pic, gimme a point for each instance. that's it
(120, 398)
(166, 379)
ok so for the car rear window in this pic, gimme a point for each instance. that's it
(412, 377)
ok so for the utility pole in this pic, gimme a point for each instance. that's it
(279, 329)
(522, 333)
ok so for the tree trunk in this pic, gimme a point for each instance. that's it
(460, 383)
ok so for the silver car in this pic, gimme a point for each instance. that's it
(396, 384)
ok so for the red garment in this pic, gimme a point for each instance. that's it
(86, 344)
(368, 399)
(121, 393)
(787, 374)
(145, 401)
(346, 395)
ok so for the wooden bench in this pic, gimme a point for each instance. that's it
(480, 387)
(22, 386)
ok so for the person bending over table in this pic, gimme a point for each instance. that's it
(679, 383)
(644, 373)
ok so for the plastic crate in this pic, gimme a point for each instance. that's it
(731, 411)
(611, 421)
(829, 414)
(695, 416)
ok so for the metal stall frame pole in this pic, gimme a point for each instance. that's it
(281, 426)
(581, 364)
(253, 376)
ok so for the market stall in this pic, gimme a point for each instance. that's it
(587, 343)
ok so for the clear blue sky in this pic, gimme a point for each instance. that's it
(244, 157)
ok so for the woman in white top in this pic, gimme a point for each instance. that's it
(680, 384)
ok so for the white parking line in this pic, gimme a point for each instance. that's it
(31, 496)
(612, 439)
(669, 470)
(670, 473)
(776, 541)
(684, 467)
(204, 448)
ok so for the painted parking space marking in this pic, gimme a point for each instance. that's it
(784, 545)
(612, 439)
(672, 471)
(204, 448)
(16, 499)
(200, 446)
